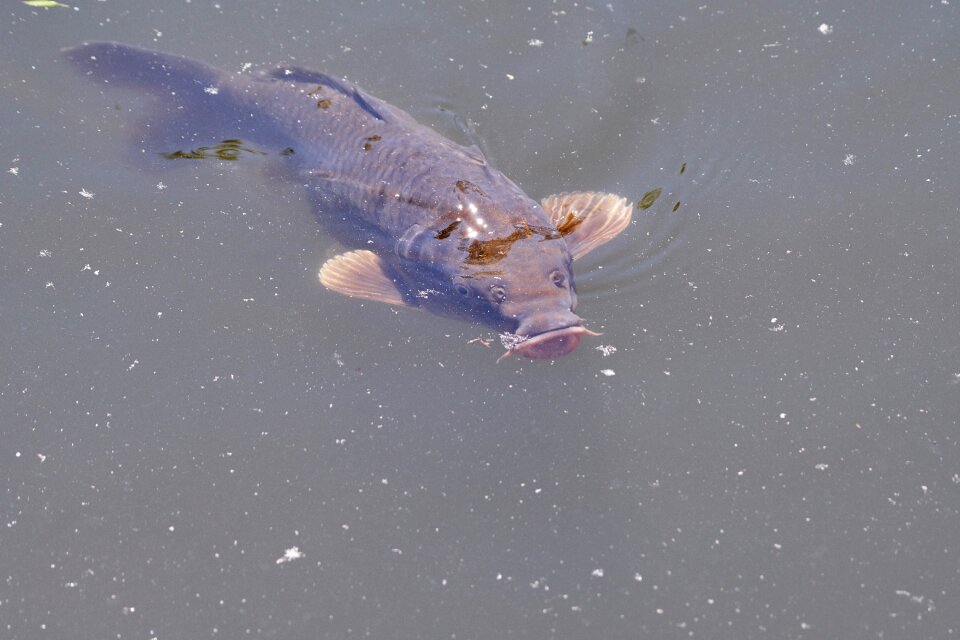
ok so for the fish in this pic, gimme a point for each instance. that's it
(429, 223)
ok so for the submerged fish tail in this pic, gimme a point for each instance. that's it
(199, 111)
(125, 66)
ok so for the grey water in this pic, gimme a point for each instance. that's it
(199, 441)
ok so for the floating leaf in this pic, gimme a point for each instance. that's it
(649, 198)
(46, 4)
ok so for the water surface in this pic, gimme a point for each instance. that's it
(200, 441)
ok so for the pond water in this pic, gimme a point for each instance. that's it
(200, 441)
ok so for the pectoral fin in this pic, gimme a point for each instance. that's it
(360, 274)
(587, 220)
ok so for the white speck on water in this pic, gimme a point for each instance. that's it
(821, 466)
(510, 76)
(42, 457)
(638, 577)
(535, 42)
(849, 159)
(211, 90)
(14, 171)
(782, 416)
(45, 253)
(86, 194)
(161, 186)
(825, 29)
(917, 599)
(289, 555)
(606, 350)
(597, 573)
(511, 340)
(608, 372)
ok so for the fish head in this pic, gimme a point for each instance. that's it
(528, 293)
(540, 300)
(517, 279)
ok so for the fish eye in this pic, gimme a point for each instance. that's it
(558, 278)
(462, 289)
(499, 293)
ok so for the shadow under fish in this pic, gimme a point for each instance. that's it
(441, 229)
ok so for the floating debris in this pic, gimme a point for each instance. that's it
(289, 555)
(649, 198)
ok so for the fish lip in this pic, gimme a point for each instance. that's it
(551, 344)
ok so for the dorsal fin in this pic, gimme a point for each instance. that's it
(307, 76)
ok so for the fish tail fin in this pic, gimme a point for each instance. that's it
(195, 113)
(125, 66)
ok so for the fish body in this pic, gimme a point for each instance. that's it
(434, 224)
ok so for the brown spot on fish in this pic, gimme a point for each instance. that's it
(490, 251)
(369, 140)
(447, 230)
(287, 152)
(324, 103)
(465, 186)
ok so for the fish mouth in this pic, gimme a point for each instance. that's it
(550, 344)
